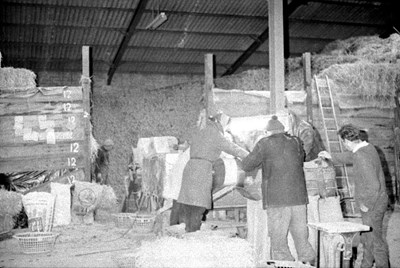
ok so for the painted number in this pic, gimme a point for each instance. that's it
(75, 147)
(71, 119)
(71, 161)
(67, 107)
(71, 179)
(67, 94)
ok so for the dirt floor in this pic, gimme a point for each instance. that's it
(104, 245)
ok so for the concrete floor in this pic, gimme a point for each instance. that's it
(392, 222)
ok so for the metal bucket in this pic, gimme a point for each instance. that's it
(227, 172)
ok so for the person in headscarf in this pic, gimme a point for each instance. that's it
(309, 136)
(206, 145)
(284, 195)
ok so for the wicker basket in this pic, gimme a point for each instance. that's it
(36, 242)
(125, 261)
(124, 220)
(286, 264)
(143, 223)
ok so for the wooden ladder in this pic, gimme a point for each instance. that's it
(330, 125)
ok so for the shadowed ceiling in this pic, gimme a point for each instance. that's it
(48, 35)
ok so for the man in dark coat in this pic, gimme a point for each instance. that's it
(206, 146)
(369, 192)
(284, 192)
(102, 162)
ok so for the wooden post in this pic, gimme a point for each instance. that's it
(307, 85)
(276, 56)
(208, 84)
(86, 87)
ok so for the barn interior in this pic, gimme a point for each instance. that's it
(99, 99)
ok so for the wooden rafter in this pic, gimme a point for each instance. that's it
(125, 40)
(260, 40)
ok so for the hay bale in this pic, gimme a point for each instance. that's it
(11, 202)
(370, 48)
(371, 81)
(257, 79)
(16, 79)
(11, 205)
(108, 199)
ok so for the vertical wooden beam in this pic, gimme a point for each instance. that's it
(208, 84)
(276, 57)
(307, 85)
(87, 88)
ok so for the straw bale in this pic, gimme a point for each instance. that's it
(108, 199)
(256, 79)
(11, 202)
(372, 81)
(372, 48)
(16, 79)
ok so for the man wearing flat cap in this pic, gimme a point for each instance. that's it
(280, 157)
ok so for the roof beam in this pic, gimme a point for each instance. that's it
(260, 40)
(340, 23)
(353, 3)
(77, 62)
(72, 46)
(118, 9)
(137, 15)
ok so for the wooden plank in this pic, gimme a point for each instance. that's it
(43, 163)
(34, 128)
(39, 150)
(67, 178)
(40, 108)
(307, 85)
(9, 138)
(64, 121)
(209, 84)
(276, 56)
(87, 89)
(64, 94)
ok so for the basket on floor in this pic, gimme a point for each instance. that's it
(286, 264)
(124, 220)
(143, 223)
(36, 242)
(125, 261)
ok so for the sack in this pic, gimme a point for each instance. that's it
(173, 180)
(62, 209)
(39, 207)
(320, 178)
(86, 198)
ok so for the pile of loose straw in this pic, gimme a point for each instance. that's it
(198, 251)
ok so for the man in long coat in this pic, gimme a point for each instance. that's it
(206, 146)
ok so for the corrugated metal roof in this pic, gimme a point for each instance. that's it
(49, 34)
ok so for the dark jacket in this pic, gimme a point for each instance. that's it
(206, 146)
(281, 158)
(369, 180)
